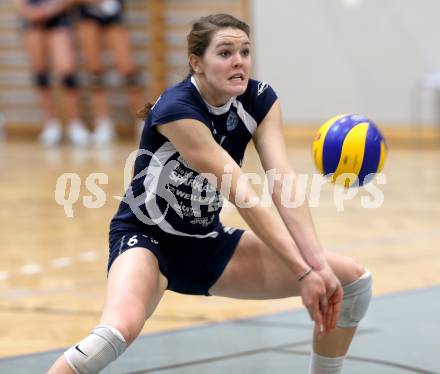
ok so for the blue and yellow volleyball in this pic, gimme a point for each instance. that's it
(349, 145)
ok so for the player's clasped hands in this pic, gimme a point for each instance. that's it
(322, 293)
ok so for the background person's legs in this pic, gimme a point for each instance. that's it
(63, 56)
(36, 44)
(118, 41)
(90, 35)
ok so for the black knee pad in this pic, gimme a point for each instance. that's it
(69, 81)
(133, 80)
(96, 80)
(42, 79)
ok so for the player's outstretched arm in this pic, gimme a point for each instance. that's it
(270, 144)
(195, 143)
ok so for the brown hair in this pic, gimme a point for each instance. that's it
(143, 113)
(199, 38)
(203, 29)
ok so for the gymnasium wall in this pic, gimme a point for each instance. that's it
(323, 57)
(18, 101)
(326, 57)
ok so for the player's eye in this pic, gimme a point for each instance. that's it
(225, 53)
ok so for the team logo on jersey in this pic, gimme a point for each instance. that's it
(261, 87)
(158, 177)
(232, 121)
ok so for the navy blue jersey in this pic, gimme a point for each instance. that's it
(106, 11)
(166, 192)
(56, 21)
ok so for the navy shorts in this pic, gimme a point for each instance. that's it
(102, 20)
(191, 265)
(59, 21)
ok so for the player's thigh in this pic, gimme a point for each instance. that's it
(257, 272)
(134, 288)
(346, 268)
(35, 42)
(90, 38)
(118, 41)
(62, 51)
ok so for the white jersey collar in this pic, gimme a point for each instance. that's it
(216, 110)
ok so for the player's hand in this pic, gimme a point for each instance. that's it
(331, 304)
(334, 309)
(313, 291)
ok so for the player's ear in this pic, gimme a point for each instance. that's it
(196, 63)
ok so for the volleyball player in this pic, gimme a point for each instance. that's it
(167, 233)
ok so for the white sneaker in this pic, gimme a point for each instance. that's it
(77, 133)
(51, 134)
(104, 133)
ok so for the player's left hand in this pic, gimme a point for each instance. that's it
(331, 304)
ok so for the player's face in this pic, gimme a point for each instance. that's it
(226, 63)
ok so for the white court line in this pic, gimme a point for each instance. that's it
(56, 263)
(395, 238)
(61, 262)
(88, 256)
(31, 269)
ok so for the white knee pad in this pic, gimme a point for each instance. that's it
(357, 296)
(104, 345)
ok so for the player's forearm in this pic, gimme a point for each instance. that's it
(262, 222)
(259, 218)
(299, 223)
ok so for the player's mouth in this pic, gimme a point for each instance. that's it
(236, 78)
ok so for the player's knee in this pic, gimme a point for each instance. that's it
(356, 270)
(96, 79)
(357, 296)
(104, 345)
(129, 330)
(132, 79)
(42, 79)
(69, 81)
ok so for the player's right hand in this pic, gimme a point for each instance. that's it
(313, 290)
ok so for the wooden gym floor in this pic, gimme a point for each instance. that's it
(52, 267)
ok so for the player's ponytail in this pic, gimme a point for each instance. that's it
(143, 113)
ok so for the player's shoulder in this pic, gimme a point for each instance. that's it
(257, 100)
(180, 101)
(258, 94)
(180, 94)
(256, 88)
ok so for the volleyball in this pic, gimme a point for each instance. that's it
(349, 149)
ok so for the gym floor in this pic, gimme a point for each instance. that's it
(52, 272)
